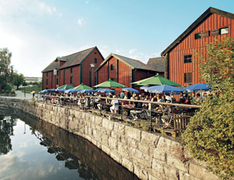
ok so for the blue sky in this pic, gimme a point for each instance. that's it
(38, 31)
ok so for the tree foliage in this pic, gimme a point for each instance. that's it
(18, 79)
(210, 133)
(6, 69)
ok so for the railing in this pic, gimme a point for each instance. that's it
(147, 117)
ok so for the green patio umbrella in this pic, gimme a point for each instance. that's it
(109, 83)
(66, 86)
(156, 80)
(82, 87)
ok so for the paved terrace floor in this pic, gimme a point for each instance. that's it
(20, 95)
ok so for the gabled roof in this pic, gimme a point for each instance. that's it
(70, 60)
(52, 66)
(199, 20)
(76, 58)
(157, 63)
(134, 64)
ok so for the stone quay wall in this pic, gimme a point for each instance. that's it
(149, 156)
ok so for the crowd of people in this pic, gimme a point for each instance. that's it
(132, 104)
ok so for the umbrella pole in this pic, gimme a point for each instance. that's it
(121, 106)
(150, 118)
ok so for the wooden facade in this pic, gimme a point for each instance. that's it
(72, 69)
(123, 70)
(213, 23)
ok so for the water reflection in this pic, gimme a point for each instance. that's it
(56, 153)
(6, 130)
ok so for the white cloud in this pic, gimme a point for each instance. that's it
(118, 51)
(31, 49)
(22, 145)
(16, 167)
(32, 7)
(80, 21)
(46, 8)
(131, 51)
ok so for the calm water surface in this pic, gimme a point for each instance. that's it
(31, 149)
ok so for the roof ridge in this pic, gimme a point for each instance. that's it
(130, 58)
(203, 16)
(136, 60)
(78, 52)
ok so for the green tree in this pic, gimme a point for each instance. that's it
(210, 133)
(6, 69)
(18, 79)
(25, 83)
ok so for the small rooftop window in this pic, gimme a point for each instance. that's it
(224, 30)
(198, 36)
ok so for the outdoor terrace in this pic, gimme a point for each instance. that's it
(149, 117)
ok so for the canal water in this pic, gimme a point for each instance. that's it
(31, 149)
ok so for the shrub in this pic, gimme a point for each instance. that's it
(210, 133)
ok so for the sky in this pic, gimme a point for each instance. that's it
(38, 31)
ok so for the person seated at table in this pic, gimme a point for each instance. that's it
(99, 102)
(52, 99)
(167, 112)
(159, 98)
(182, 99)
(131, 103)
(87, 102)
(80, 101)
(140, 97)
(145, 105)
(108, 101)
(128, 94)
(154, 99)
(187, 100)
(61, 98)
(136, 113)
(115, 105)
(122, 95)
(163, 97)
(125, 103)
(173, 99)
(137, 104)
(198, 99)
(125, 106)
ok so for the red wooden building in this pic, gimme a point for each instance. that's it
(72, 69)
(213, 23)
(123, 70)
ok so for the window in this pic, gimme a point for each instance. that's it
(214, 32)
(71, 80)
(198, 36)
(57, 81)
(113, 79)
(188, 58)
(71, 70)
(224, 30)
(47, 74)
(46, 81)
(55, 72)
(95, 60)
(187, 77)
(112, 66)
(205, 34)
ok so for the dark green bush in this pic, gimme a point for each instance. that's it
(210, 133)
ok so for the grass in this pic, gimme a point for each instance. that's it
(29, 89)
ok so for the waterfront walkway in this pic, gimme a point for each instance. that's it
(19, 95)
